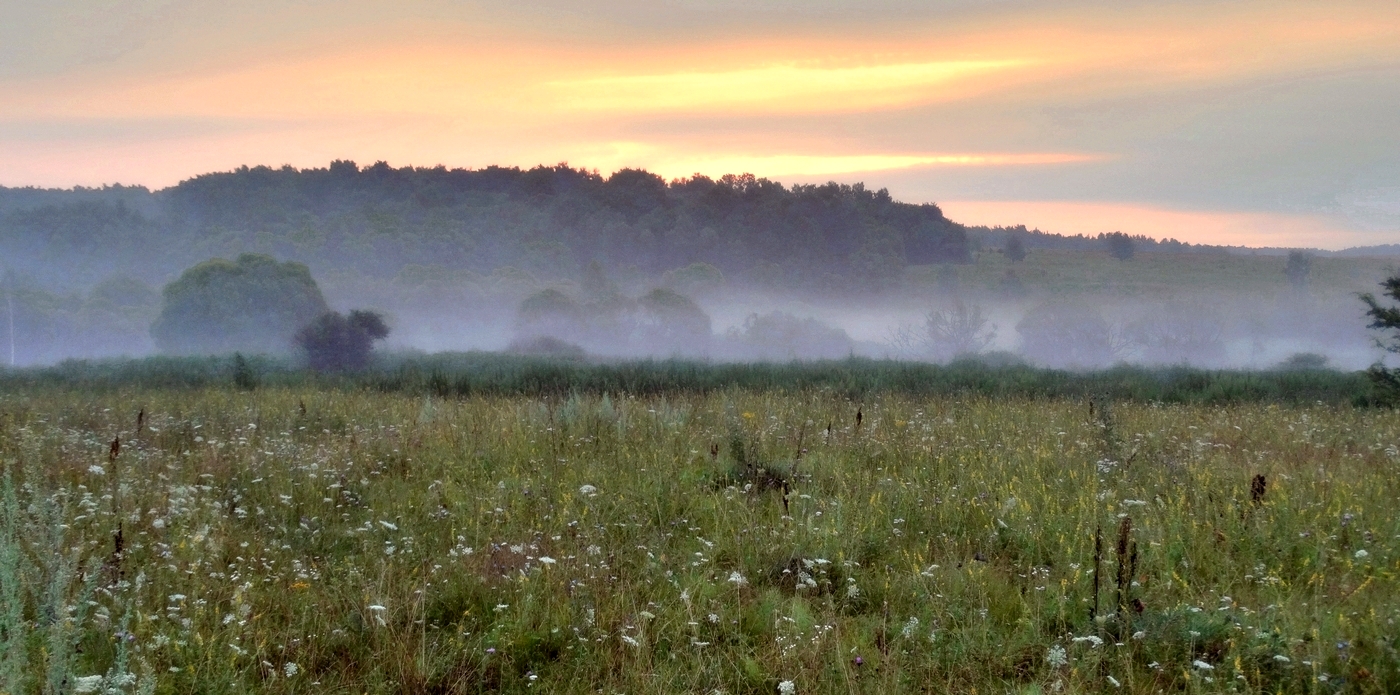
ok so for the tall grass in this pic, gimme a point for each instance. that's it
(487, 374)
(326, 539)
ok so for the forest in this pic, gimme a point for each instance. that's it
(451, 256)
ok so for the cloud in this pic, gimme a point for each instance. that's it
(785, 88)
(1269, 107)
(682, 162)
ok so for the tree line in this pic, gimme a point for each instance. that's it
(548, 221)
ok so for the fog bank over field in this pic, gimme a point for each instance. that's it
(569, 263)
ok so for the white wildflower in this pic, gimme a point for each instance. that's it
(1202, 665)
(787, 688)
(95, 470)
(630, 641)
(1139, 635)
(387, 525)
(910, 627)
(737, 579)
(1056, 657)
(290, 669)
(1281, 659)
(587, 490)
(1093, 640)
(1361, 554)
(852, 591)
(1114, 682)
(547, 560)
(87, 684)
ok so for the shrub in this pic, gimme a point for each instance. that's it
(338, 343)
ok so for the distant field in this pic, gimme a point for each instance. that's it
(346, 540)
(1159, 274)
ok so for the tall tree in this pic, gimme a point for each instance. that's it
(1298, 268)
(1015, 248)
(1385, 317)
(254, 304)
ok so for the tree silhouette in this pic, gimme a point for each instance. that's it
(1385, 317)
(1120, 245)
(1015, 250)
(1298, 268)
(339, 343)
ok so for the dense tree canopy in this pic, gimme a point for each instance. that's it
(254, 304)
(549, 221)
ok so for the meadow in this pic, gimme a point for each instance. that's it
(388, 536)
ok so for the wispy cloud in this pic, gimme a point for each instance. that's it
(680, 162)
(1144, 101)
(786, 88)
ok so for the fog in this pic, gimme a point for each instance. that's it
(1082, 330)
(567, 262)
(1079, 332)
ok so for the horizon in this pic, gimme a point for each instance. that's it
(1061, 218)
(1254, 124)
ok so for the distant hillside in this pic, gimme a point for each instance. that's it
(450, 255)
(548, 221)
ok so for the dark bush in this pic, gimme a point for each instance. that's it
(338, 343)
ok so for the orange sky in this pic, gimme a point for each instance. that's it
(1058, 118)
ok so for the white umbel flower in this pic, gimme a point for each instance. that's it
(787, 688)
(87, 684)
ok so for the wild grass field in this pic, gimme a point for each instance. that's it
(311, 539)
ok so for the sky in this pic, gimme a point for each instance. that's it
(1252, 123)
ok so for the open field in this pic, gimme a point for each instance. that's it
(312, 538)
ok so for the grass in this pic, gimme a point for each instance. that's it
(486, 374)
(339, 537)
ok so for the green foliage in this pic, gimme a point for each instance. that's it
(243, 375)
(375, 220)
(335, 342)
(545, 346)
(1304, 361)
(1015, 247)
(1119, 245)
(1386, 318)
(254, 304)
(111, 320)
(310, 537)
(491, 374)
(959, 331)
